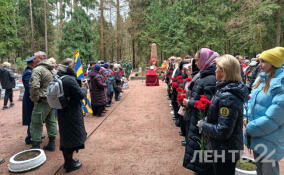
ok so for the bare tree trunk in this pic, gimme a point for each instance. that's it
(133, 53)
(102, 29)
(45, 28)
(279, 19)
(61, 21)
(57, 16)
(111, 35)
(118, 47)
(71, 6)
(32, 25)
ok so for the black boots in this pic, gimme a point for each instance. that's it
(70, 164)
(35, 145)
(51, 144)
(74, 165)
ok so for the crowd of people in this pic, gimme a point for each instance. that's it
(222, 102)
(219, 102)
(102, 80)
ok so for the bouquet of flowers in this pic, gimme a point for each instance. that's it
(202, 106)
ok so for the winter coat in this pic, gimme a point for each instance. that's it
(70, 119)
(117, 81)
(41, 77)
(265, 113)
(28, 105)
(224, 126)
(97, 90)
(205, 84)
(254, 75)
(7, 78)
(242, 74)
(109, 81)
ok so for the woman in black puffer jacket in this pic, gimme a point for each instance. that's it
(224, 124)
(70, 119)
(203, 83)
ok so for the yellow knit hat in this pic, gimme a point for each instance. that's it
(273, 56)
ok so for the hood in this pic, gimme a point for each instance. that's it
(65, 70)
(238, 89)
(46, 63)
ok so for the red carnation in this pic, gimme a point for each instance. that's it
(113, 73)
(205, 101)
(247, 73)
(105, 78)
(180, 81)
(188, 79)
(174, 84)
(184, 91)
(179, 89)
(85, 74)
(200, 105)
(108, 75)
(173, 79)
(249, 97)
(120, 74)
(179, 77)
(180, 98)
(171, 71)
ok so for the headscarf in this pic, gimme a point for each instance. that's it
(207, 58)
(102, 70)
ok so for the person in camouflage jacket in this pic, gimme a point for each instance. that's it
(42, 112)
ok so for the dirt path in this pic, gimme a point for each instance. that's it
(137, 137)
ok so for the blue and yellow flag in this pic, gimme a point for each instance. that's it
(78, 66)
(86, 105)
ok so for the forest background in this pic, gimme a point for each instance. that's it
(125, 29)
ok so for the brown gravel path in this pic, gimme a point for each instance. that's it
(137, 137)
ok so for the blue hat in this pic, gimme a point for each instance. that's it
(106, 65)
(97, 67)
(30, 59)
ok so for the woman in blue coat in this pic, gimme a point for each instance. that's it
(265, 129)
(28, 105)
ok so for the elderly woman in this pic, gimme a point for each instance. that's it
(265, 113)
(98, 97)
(224, 124)
(203, 83)
(70, 119)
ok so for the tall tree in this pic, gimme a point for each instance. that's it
(118, 30)
(45, 28)
(32, 24)
(279, 21)
(78, 35)
(102, 39)
(8, 39)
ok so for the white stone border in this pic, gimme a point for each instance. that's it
(25, 165)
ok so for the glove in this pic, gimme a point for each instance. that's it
(199, 125)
